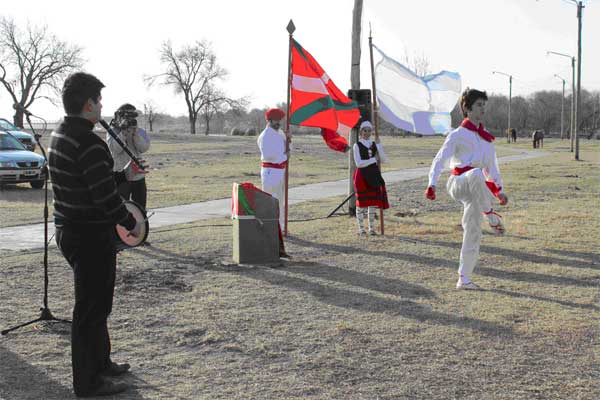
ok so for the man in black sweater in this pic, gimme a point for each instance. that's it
(86, 209)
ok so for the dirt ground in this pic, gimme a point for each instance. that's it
(348, 317)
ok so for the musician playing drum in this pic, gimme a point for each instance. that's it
(86, 209)
(132, 182)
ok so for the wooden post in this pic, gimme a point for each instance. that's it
(290, 28)
(578, 100)
(354, 84)
(375, 116)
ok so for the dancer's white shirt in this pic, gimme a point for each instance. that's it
(463, 148)
(360, 163)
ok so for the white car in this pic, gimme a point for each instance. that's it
(23, 137)
(17, 164)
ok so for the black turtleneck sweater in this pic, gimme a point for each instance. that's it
(84, 189)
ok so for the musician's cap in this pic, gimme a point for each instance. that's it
(366, 124)
(274, 113)
(127, 109)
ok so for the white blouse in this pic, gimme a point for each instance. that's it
(463, 148)
(360, 163)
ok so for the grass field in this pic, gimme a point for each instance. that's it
(190, 169)
(349, 317)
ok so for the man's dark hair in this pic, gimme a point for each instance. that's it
(469, 97)
(77, 89)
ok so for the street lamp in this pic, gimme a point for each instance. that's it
(580, 7)
(510, 78)
(573, 104)
(562, 107)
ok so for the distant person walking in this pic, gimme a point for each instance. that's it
(272, 143)
(474, 181)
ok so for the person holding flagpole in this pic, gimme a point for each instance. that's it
(369, 185)
(274, 154)
(474, 181)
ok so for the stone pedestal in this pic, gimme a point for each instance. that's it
(255, 243)
(255, 225)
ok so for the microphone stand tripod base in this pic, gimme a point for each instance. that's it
(46, 315)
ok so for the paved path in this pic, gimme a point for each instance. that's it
(25, 237)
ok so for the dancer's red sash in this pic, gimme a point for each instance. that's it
(273, 165)
(495, 189)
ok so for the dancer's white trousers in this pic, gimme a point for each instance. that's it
(273, 182)
(470, 189)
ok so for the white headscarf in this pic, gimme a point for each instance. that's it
(366, 124)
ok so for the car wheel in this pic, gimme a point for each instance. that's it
(37, 184)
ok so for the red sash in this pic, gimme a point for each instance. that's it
(273, 165)
(495, 189)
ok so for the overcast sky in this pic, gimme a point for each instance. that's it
(473, 37)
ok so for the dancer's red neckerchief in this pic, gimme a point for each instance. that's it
(485, 135)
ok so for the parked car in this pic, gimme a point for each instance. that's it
(23, 137)
(17, 164)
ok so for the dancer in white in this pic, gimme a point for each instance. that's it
(272, 143)
(474, 181)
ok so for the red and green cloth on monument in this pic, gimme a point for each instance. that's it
(317, 102)
(242, 200)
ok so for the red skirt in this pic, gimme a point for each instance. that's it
(369, 188)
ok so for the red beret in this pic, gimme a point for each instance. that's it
(274, 113)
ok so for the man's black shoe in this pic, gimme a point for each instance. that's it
(107, 388)
(115, 369)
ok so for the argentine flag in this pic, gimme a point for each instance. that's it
(413, 103)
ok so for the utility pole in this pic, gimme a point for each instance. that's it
(510, 78)
(573, 104)
(355, 85)
(562, 107)
(577, 113)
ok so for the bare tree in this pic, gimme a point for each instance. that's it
(191, 71)
(215, 101)
(418, 63)
(32, 61)
(150, 113)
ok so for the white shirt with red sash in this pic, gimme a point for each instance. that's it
(272, 145)
(464, 149)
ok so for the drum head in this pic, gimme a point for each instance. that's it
(126, 240)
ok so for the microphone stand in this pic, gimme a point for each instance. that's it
(46, 314)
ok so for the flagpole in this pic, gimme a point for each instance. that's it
(290, 28)
(374, 113)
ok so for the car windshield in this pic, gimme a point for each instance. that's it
(5, 125)
(8, 142)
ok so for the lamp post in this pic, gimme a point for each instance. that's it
(510, 78)
(562, 106)
(573, 103)
(577, 117)
(575, 136)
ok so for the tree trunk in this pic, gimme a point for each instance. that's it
(18, 119)
(192, 125)
(354, 84)
(207, 120)
(150, 124)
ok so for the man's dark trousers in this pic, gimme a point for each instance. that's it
(90, 251)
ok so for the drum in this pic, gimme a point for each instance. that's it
(124, 239)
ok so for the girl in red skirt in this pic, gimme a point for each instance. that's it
(369, 185)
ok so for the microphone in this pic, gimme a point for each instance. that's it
(25, 111)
